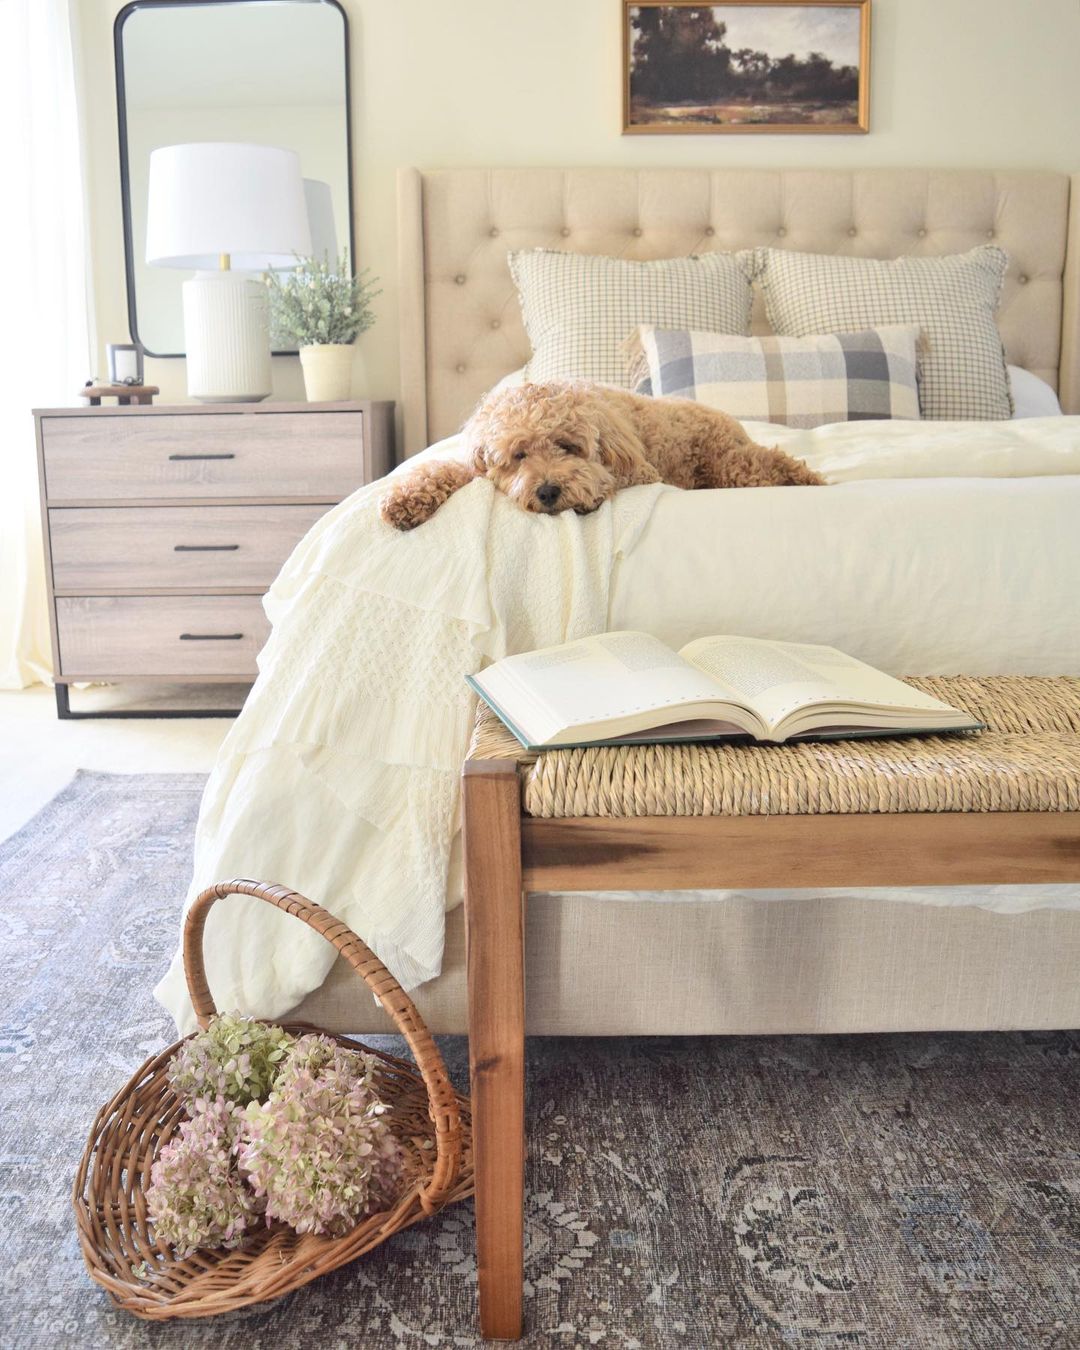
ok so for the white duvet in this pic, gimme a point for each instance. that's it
(941, 548)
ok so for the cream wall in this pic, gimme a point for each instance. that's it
(961, 83)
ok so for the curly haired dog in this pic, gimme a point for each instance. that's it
(570, 446)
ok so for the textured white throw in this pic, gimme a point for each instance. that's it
(340, 776)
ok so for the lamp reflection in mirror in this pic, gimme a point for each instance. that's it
(320, 209)
(226, 210)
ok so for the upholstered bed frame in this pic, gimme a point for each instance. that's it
(813, 964)
(461, 328)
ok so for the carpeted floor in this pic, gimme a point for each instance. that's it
(907, 1191)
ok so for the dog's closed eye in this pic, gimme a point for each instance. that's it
(519, 454)
(570, 447)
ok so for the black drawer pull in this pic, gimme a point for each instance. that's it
(205, 548)
(202, 456)
(210, 637)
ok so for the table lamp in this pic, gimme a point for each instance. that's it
(320, 209)
(226, 210)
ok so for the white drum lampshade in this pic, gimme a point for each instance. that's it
(320, 209)
(226, 210)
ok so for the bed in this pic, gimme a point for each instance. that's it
(782, 962)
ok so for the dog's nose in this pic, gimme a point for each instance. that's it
(547, 494)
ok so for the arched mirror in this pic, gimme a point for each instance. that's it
(269, 72)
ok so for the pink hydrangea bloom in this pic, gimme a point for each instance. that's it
(197, 1196)
(320, 1152)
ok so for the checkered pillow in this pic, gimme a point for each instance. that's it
(953, 299)
(800, 382)
(579, 308)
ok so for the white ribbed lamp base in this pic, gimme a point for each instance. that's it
(227, 334)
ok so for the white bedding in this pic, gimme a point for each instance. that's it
(927, 573)
(339, 778)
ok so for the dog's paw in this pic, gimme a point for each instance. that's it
(415, 498)
(402, 510)
(803, 476)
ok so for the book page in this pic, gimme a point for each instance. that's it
(599, 678)
(777, 678)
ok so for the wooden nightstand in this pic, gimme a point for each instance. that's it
(164, 526)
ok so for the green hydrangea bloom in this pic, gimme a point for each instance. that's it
(236, 1058)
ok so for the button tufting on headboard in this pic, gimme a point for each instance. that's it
(453, 350)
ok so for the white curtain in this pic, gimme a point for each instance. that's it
(44, 319)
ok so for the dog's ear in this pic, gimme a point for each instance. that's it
(416, 497)
(619, 446)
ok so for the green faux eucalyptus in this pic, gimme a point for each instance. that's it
(321, 302)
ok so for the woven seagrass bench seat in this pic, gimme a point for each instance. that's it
(1028, 759)
(998, 807)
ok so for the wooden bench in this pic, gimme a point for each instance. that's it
(999, 808)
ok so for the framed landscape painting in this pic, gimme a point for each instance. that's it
(746, 66)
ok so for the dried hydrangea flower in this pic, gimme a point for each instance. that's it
(236, 1058)
(320, 1151)
(315, 1054)
(197, 1196)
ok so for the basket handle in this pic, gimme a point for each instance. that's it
(442, 1099)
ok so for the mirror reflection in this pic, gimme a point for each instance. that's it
(268, 72)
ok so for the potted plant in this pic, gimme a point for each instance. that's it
(322, 307)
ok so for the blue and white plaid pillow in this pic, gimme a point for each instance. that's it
(799, 382)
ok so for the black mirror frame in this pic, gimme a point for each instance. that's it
(125, 171)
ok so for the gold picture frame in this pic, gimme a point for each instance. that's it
(773, 90)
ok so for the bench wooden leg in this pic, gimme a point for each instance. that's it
(494, 936)
(496, 961)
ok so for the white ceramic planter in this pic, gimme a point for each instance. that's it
(327, 371)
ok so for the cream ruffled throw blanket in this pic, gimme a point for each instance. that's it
(340, 777)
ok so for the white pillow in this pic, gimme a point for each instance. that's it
(1032, 397)
(514, 380)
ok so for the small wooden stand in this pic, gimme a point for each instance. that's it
(125, 394)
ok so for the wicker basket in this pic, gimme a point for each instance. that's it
(429, 1117)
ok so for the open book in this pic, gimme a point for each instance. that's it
(626, 687)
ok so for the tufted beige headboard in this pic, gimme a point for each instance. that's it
(461, 329)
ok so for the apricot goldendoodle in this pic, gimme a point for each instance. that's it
(570, 446)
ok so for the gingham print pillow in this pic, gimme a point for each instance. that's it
(953, 299)
(579, 308)
(800, 382)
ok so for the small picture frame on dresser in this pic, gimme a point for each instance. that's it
(165, 526)
(125, 362)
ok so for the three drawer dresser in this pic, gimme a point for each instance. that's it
(164, 526)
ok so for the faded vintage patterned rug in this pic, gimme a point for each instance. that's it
(901, 1191)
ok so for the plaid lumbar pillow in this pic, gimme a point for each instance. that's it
(578, 308)
(800, 382)
(953, 299)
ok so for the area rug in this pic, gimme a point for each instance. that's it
(907, 1191)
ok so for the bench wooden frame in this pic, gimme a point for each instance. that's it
(507, 855)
